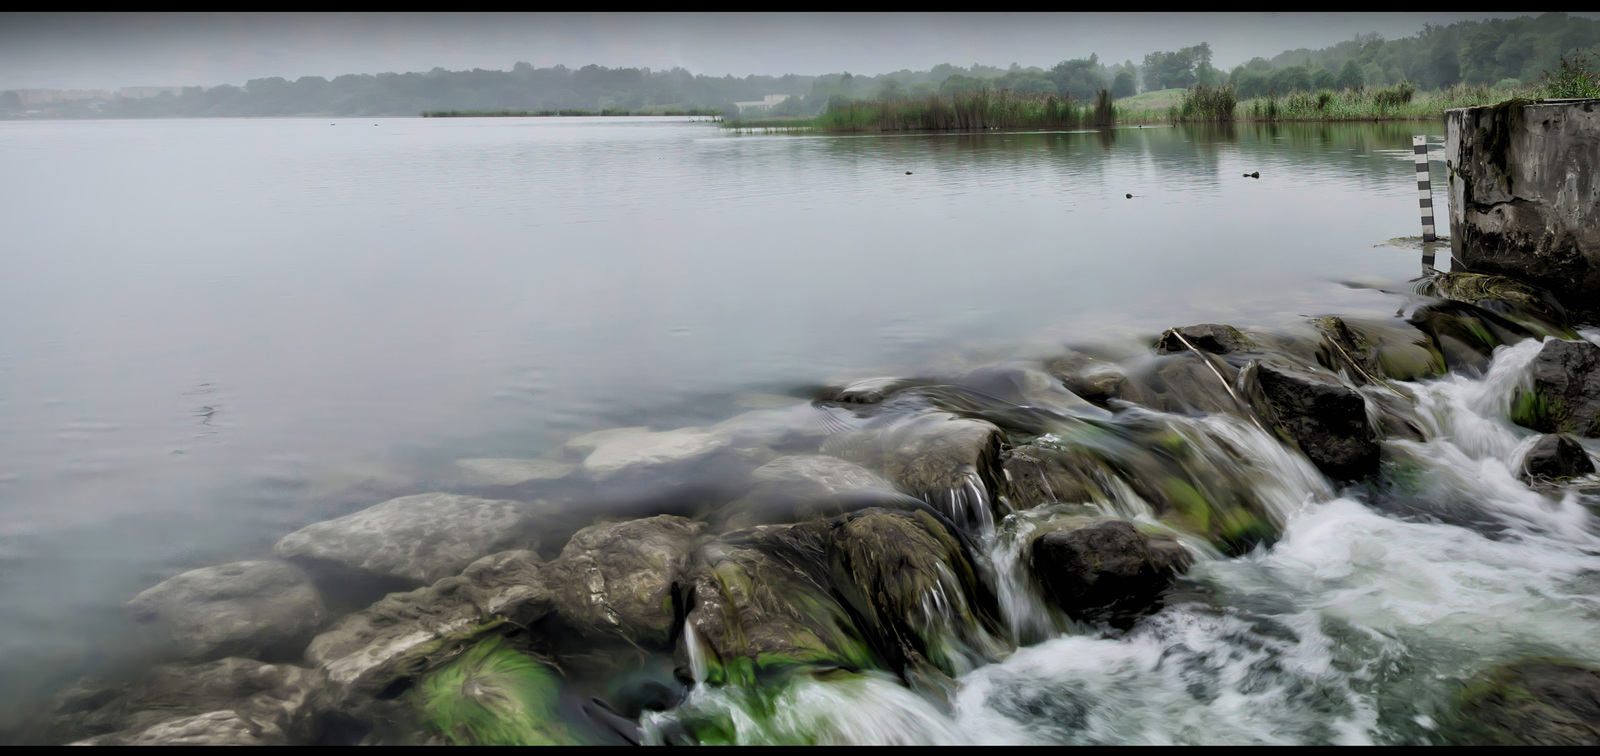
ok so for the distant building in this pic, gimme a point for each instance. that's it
(139, 93)
(764, 103)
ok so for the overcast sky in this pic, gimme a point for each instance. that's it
(93, 50)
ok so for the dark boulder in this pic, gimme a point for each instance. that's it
(1564, 396)
(1206, 337)
(1372, 350)
(1193, 383)
(1535, 702)
(947, 461)
(1105, 567)
(1554, 457)
(1325, 418)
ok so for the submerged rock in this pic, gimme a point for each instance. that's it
(225, 702)
(1206, 337)
(1554, 457)
(864, 391)
(1196, 384)
(803, 486)
(1369, 350)
(1325, 418)
(1100, 382)
(1105, 567)
(1541, 702)
(259, 608)
(620, 580)
(419, 538)
(635, 450)
(406, 633)
(1498, 293)
(1564, 396)
(510, 472)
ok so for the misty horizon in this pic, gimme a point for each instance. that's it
(111, 51)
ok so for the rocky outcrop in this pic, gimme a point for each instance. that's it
(1525, 195)
(1554, 457)
(262, 608)
(1564, 391)
(621, 580)
(1543, 702)
(418, 538)
(1324, 418)
(1106, 567)
(406, 633)
(225, 702)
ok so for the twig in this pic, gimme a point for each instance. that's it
(1218, 374)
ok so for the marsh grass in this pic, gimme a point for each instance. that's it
(974, 110)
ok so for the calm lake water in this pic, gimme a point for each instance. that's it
(213, 331)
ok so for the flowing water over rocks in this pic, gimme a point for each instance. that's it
(1257, 551)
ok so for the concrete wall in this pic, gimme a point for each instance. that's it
(1525, 195)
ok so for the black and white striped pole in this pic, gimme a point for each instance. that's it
(1419, 145)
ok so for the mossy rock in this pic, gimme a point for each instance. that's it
(1532, 702)
(1488, 290)
(492, 695)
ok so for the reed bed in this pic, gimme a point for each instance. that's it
(963, 111)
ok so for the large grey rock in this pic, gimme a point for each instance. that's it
(1100, 382)
(1554, 457)
(253, 608)
(642, 451)
(1325, 418)
(804, 486)
(420, 538)
(1544, 702)
(1199, 384)
(407, 632)
(1564, 396)
(1525, 195)
(1105, 566)
(617, 580)
(225, 702)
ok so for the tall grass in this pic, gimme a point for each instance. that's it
(1204, 103)
(1578, 77)
(962, 111)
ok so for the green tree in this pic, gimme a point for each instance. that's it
(1123, 85)
(1350, 76)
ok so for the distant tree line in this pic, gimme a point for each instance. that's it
(1504, 52)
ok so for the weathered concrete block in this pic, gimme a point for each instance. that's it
(1525, 195)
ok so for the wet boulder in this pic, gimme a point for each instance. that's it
(1325, 418)
(263, 608)
(1206, 337)
(1028, 386)
(1368, 351)
(864, 391)
(1564, 392)
(948, 461)
(405, 633)
(1105, 567)
(420, 538)
(760, 603)
(1100, 382)
(1498, 293)
(1554, 457)
(803, 486)
(1193, 383)
(620, 580)
(1543, 702)
(229, 701)
(877, 588)
(1033, 475)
